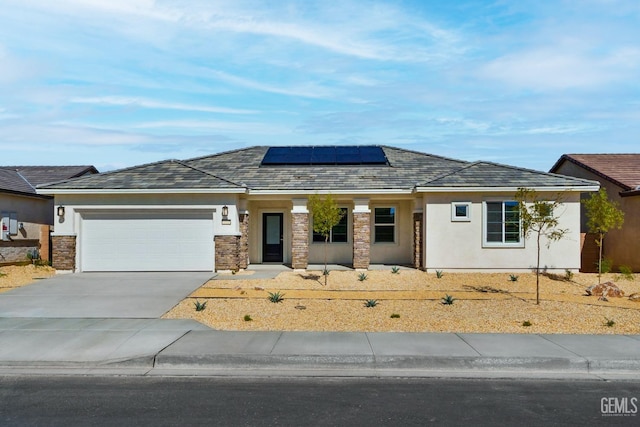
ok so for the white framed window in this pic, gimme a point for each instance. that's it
(384, 225)
(339, 233)
(461, 211)
(502, 224)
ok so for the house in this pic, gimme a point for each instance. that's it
(619, 174)
(25, 215)
(227, 210)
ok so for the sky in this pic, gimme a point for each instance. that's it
(117, 83)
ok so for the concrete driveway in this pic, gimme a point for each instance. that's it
(101, 295)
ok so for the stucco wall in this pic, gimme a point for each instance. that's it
(401, 251)
(454, 245)
(622, 246)
(29, 209)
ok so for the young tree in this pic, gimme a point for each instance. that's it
(538, 217)
(602, 216)
(326, 215)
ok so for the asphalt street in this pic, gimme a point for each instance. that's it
(142, 401)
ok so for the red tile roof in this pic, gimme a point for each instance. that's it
(621, 169)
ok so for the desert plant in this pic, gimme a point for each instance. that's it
(395, 270)
(247, 318)
(362, 277)
(371, 303)
(326, 214)
(602, 216)
(526, 323)
(627, 272)
(538, 216)
(325, 273)
(609, 322)
(439, 274)
(604, 266)
(395, 316)
(513, 278)
(448, 300)
(276, 296)
(200, 306)
(568, 275)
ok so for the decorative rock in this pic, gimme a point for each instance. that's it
(259, 288)
(607, 289)
(635, 297)
(603, 299)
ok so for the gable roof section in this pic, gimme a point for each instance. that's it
(24, 179)
(171, 175)
(242, 171)
(621, 169)
(496, 176)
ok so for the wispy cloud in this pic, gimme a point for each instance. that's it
(148, 103)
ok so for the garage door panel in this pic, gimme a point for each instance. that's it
(158, 241)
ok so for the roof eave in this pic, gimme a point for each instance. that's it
(105, 191)
(510, 189)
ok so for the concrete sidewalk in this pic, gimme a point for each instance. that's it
(183, 347)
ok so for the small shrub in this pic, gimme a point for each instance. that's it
(439, 274)
(606, 265)
(371, 303)
(609, 322)
(276, 296)
(513, 278)
(448, 300)
(247, 318)
(200, 306)
(362, 277)
(626, 272)
(325, 272)
(395, 270)
(526, 323)
(395, 316)
(568, 275)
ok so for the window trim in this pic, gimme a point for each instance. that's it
(503, 244)
(330, 241)
(394, 225)
(455, 218)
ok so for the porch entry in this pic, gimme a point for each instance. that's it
(272, 237)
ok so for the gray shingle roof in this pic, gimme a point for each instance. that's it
(488, 174)
(168, 174)
(24, 179)
(240, 169)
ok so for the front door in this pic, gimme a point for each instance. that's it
(272, 237)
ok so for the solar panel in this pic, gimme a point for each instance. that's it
(325, 155)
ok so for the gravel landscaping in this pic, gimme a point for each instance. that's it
(14, 276)
(482, 303)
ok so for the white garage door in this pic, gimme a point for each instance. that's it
(147, 241)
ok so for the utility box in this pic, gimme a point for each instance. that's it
(9, 224)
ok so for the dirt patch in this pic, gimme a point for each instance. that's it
(14, 276)
(483, 303)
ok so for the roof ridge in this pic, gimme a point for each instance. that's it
(406, 150)
(452, 172)
(180, 162)
(193, 159)
(25, 180)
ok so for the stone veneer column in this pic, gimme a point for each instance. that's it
(64, 252)
(243, 242)
(299, 234)
(227, 252)
(418, 230)
(361, 235)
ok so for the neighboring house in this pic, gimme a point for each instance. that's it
(26, 216)
(227, 210)
(619, 174)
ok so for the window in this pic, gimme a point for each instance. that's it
(384, 225)
(338, 232)
(461, 211)
(502, 224)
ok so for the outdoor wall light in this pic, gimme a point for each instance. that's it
(60, 210)
(225, 212)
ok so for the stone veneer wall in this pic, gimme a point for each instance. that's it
(227, 252)
(64, 252)
(300, 241)
(243, 242)
(16, 251)
(361, 240)
(417, 240)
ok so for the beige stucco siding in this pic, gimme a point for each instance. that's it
(621, 246)
(452, 245)
(401, 251)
